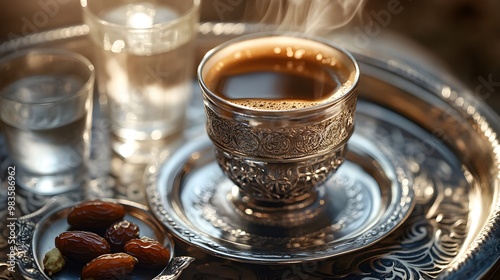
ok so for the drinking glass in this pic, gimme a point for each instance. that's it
(144, 51)
(46, 112)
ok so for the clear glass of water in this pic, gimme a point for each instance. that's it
(144, 56)
(46, 112)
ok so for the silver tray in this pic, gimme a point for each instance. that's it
(446, 134)
(37, 232)
(367, 198)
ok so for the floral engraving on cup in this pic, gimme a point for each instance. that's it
(276, 143)
(279, 181)
(224, 130)
(285, 143)
(308, 141)
(244, 138)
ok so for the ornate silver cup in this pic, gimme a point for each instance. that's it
(279, 158)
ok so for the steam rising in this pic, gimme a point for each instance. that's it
(309, 16)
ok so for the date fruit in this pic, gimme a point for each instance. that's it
(95, 215)
(81, 246)
(109, 267)
(149, 252)
(119, 233)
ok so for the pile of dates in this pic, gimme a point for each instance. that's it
(107, 245)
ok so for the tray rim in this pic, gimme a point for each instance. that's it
(431, 81)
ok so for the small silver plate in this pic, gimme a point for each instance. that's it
(368, 197)
(37, 232)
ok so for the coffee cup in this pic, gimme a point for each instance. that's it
(279, 110)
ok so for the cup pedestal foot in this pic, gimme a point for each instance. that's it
(279, 214)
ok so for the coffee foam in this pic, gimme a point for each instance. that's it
(274, 105)
(282, 105)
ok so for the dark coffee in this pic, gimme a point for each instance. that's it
(277, 80)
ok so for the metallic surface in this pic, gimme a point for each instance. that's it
(446, 134)
(174, 268)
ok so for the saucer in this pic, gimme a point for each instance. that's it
(365, 200)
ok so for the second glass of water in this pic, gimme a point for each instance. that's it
(144, 51)
(46, 111)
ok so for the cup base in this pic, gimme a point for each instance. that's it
(289, 215)
(281, 193)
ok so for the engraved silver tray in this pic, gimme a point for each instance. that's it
(448, 137)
